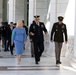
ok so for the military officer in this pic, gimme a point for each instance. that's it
(36, 31)
(59, 30)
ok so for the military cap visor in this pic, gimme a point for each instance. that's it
(60, 18)
(36, 16)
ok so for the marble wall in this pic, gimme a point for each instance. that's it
(42, 9)
(1, 1)
(19, 10)
(61, 7)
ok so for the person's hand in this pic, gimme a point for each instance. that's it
(12, 43)
(24, 43)
(46, 33)
(31, 33)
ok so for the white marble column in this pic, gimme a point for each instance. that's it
(75, 33)
(31, 11)
(11, 11)
(16, 10)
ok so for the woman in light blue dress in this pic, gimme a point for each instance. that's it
(19, 38)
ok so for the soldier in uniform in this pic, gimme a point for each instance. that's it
(36, 31)
(10, 28)
(59, 30)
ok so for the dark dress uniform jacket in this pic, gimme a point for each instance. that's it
(38, 31)
(58, 32)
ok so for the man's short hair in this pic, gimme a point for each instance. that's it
(11, 22)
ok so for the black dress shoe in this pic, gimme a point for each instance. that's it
(11, 53)
(37, 62)
(5, 50)
(59, 62)
(32, 55)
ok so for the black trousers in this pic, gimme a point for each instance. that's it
(38, 50)
(11, 47)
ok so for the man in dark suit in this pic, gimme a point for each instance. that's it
(59, 30)
(11, 27)
(36, 31)
(5, 32)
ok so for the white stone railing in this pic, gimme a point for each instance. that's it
(67, 49)
(70, 45)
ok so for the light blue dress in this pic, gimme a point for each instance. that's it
(18, 37)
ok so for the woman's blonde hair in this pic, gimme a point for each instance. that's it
(19, 24)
